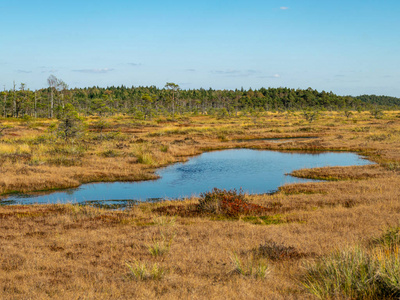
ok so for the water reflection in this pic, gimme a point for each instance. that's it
(256, 171)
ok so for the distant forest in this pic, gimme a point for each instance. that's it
(147, 102)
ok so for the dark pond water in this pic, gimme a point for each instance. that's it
(255, 171)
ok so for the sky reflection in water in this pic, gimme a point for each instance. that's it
(256, 171)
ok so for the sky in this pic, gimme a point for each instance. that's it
(348, 47)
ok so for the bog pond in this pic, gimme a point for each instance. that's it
(255, 171)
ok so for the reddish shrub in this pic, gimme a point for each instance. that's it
(229, 203)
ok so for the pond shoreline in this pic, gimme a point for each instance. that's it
(159, 173)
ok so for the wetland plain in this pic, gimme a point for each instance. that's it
(223, 244)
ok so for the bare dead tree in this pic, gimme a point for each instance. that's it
(52, 82)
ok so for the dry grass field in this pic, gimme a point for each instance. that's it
(344, 227)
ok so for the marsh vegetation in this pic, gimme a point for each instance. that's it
(224, 244)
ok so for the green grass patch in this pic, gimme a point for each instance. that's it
(372, 273)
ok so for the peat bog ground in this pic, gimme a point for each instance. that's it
(221, 245)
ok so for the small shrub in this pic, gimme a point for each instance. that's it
(361, 129)
(222, 137)
(100, 125)
(222, 113)
(274, 251)
(228, 203)
(71, 125)
(311, 115)
(377, 113)
(110, 153)
(392, 166)
(379, 137)
(347, 113)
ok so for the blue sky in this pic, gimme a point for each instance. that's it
(349, 47)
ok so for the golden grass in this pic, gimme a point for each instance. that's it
(80, 252)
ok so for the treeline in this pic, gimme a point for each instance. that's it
(380, 100)
(146, 102)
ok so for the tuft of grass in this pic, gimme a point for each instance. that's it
(164, 221)
(145, 158)
(390, 239)
(346, 274)
(164, 148)
(161, 246)
(355, 274)
(250, 267)
(141, 271)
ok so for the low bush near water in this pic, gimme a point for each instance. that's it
(229, 203)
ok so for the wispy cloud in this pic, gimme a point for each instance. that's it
(284, 8)
(24, 71)
(134, 64)
(225, 72)
(190, 70)
(235, 73)
(270, 76)
(94, 71)
(48, 70)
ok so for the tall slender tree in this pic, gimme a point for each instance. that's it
(174, 88)
(52, 82)
(14, 114)
(5, 102)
